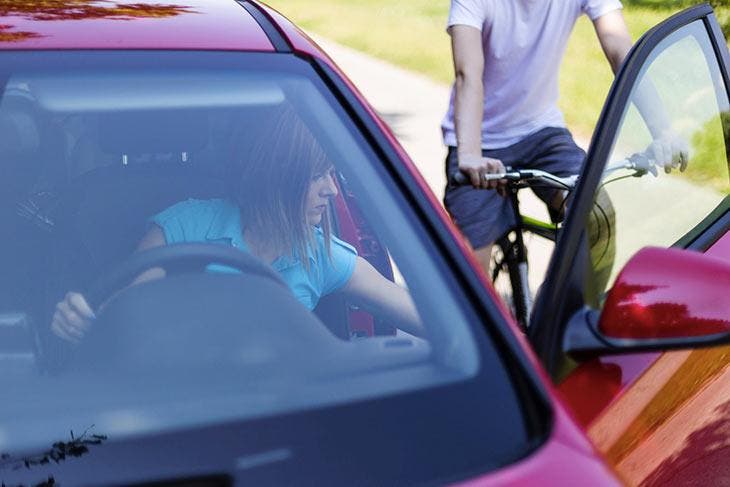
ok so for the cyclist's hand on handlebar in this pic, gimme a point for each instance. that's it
(476, 166)
(669, 151)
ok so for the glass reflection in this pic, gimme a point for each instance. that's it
(56, 10)
(657, 204)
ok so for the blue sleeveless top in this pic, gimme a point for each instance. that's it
(219, 221)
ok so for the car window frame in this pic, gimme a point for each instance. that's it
(562, 295)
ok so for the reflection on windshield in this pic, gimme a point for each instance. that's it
(7, 36)
(79, 10)
(76, 447)
(88, 9)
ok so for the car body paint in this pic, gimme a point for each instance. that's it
(665, 293)
(721, 248)
(189, 24)
(548, 464)
(658, 417)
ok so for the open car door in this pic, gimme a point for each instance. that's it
(643, 265)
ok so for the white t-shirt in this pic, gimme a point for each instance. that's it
(524, 42)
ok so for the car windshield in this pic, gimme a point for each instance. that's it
(217, 152)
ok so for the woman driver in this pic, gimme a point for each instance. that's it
(279, 215)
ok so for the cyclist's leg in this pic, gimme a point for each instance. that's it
(554, 150)
(481, 215)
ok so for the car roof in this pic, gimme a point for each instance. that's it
(135, 24)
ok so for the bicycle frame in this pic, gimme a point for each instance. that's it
(514, 256)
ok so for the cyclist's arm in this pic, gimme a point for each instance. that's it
(468, 56)
(613, 34)
(466, 46)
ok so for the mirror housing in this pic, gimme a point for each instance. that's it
(662, 299)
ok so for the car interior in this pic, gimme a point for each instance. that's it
(79, 190)
(84, 167)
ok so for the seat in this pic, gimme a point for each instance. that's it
(147, 162)
(22, 156)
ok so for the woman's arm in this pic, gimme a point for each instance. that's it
(73, 315)
(369, 289)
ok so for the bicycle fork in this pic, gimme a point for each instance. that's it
(516, 257)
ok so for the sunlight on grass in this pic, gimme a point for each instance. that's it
(412, 35)
(708, 165)
(585, 75)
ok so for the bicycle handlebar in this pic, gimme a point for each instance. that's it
(638, 162)
(521, 175)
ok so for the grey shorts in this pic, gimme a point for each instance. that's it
(483, 215)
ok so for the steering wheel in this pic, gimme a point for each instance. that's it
(177, 259)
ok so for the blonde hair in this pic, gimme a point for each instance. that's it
(273, 176)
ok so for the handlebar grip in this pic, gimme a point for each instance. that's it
(461, 179)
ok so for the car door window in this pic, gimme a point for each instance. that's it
(679, 96)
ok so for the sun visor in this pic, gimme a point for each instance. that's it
(105, 92)
(19, 133)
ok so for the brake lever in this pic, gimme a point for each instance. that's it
(642, 164)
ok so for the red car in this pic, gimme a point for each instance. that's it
(122, 123)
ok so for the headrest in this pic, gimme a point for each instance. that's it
(19, 134)
(141, 132)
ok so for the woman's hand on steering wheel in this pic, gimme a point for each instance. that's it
(74, 314)
(72, 317)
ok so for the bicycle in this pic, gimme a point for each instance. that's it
(509, 256)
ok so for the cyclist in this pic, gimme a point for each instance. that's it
(503, 109)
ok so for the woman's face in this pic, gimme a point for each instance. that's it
(321, 189)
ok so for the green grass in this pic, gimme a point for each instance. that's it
(408, 33)
(411, 34)
(585, 75)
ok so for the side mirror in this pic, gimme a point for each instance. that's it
(662, 299)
